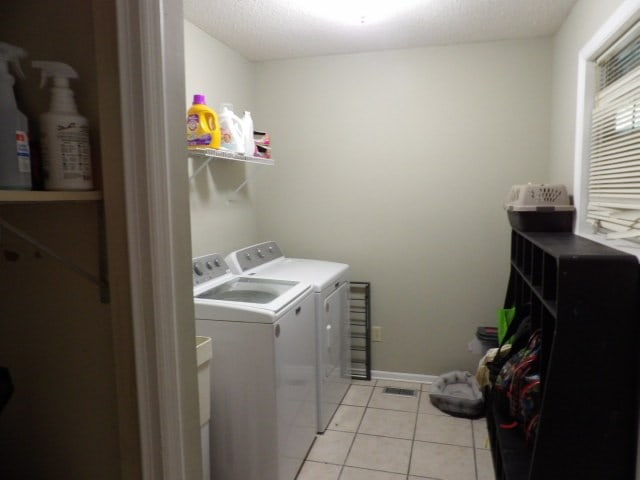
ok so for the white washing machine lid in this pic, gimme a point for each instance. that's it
(267, 260)
(222, 295)
(247, 299)
(318, 273)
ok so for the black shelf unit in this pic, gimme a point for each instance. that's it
(360, 318)
(584, 297)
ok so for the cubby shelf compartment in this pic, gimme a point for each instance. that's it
(29, 196)
(584, 298)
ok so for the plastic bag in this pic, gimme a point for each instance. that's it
(505, 317)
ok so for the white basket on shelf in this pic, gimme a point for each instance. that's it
(538, 197)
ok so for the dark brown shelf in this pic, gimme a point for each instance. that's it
(515, 455)
(537, 291)
(584, 297)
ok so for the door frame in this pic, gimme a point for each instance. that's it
(151, 63)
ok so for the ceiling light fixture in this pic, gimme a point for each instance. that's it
(355, 12)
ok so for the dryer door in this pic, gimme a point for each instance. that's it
(335, 349)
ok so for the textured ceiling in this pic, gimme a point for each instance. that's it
(276, 29)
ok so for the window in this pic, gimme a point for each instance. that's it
(613, 206)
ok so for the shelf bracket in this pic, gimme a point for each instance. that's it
(243, 184)
(101, 280)
(202, 166)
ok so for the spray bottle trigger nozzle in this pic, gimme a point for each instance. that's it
(60, 72)
(12, 54)
(43, 78)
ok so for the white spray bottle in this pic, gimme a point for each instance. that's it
(66, 156)
(15, 156)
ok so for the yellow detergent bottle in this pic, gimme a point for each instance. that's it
(203, 129)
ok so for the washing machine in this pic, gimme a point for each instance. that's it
(331, 297)
(262, 371)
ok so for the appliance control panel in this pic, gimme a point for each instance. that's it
(256, 255)
(208, 267)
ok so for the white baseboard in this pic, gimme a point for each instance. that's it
(405, 377)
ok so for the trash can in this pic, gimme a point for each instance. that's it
(485, 338)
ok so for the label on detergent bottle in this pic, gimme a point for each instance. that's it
(196, 137)
(24, 154)
(227, 139)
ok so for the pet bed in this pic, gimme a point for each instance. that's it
(458, 393)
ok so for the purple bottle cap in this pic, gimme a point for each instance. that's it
(198, 99)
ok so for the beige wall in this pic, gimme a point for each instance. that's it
(408, 150)
(397, 162)
(56, 340)
(585, 19)
(220, 220)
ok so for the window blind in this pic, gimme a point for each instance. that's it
(614, 171)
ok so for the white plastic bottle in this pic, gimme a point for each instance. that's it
(232, 137)
(247, 130)
(66, 155)
(15, 156)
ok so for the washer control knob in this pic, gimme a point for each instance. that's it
(270, 249)
(209, 265)
(198, 269)
(260, 254)
(216, 262)
(247, 256)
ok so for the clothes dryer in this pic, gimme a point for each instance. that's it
(262, 371)
(333, 334)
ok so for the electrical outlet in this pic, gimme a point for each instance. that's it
(376, 334)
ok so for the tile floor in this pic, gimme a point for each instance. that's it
(375, 436)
